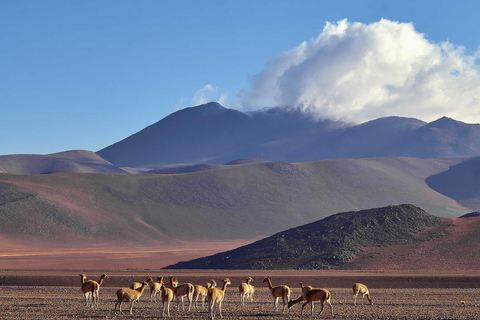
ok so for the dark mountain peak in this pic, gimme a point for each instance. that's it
(446, 123)
(211, 133)
(280, 113)
(471, 214)
(211, 106)
(269, 110)
(394, 123)
(211, 110)
(207, 109)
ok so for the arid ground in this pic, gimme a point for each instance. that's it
(156, 256)
(57, 295)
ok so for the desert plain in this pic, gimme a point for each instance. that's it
(56, 294)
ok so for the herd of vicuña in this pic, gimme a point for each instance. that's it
(167, 292)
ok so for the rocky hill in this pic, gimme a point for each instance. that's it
(365, 239)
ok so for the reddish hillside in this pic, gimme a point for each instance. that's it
(454, 245)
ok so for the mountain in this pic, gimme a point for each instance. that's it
(243, 202)
(445, 137)
(402, 237)
(460, 182)
(72, 161)
(276, 195)
(212, 134)
(189, 136)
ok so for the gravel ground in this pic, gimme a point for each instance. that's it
(67, 303)
(395, 298)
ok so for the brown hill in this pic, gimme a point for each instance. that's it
(71, 161)
(391, 238)
(239, 203)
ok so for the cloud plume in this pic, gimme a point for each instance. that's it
(359, 72)
(207, 93)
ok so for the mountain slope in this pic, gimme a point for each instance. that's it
(232, 202)
(71, 161)
(212, 134)
(460, 182)
(353, 240)
(189, 136)
(445, 138)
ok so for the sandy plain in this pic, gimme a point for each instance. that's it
(56, 294)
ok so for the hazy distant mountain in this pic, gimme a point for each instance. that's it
(213, 134)
(72, 161)
(188, 136)
(460, 182)
(401, 237)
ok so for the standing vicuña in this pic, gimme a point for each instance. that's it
(201, 292)
(155, 288)
(167, 297)
(179, 291)
(312, 295)
(136, 285)
(91, 289)
(215, 297)
(277, 292)
(305, 288)
(361, 288)
(172, 283)
(246, 291)
(127, 294)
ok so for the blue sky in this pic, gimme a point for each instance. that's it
(85, 74)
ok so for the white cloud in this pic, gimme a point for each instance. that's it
(207, 94)
(223, 99)
(359, 72)
(180, 104)
(200, 96)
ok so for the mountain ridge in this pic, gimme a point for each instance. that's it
(190, 205)
(213, 134)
